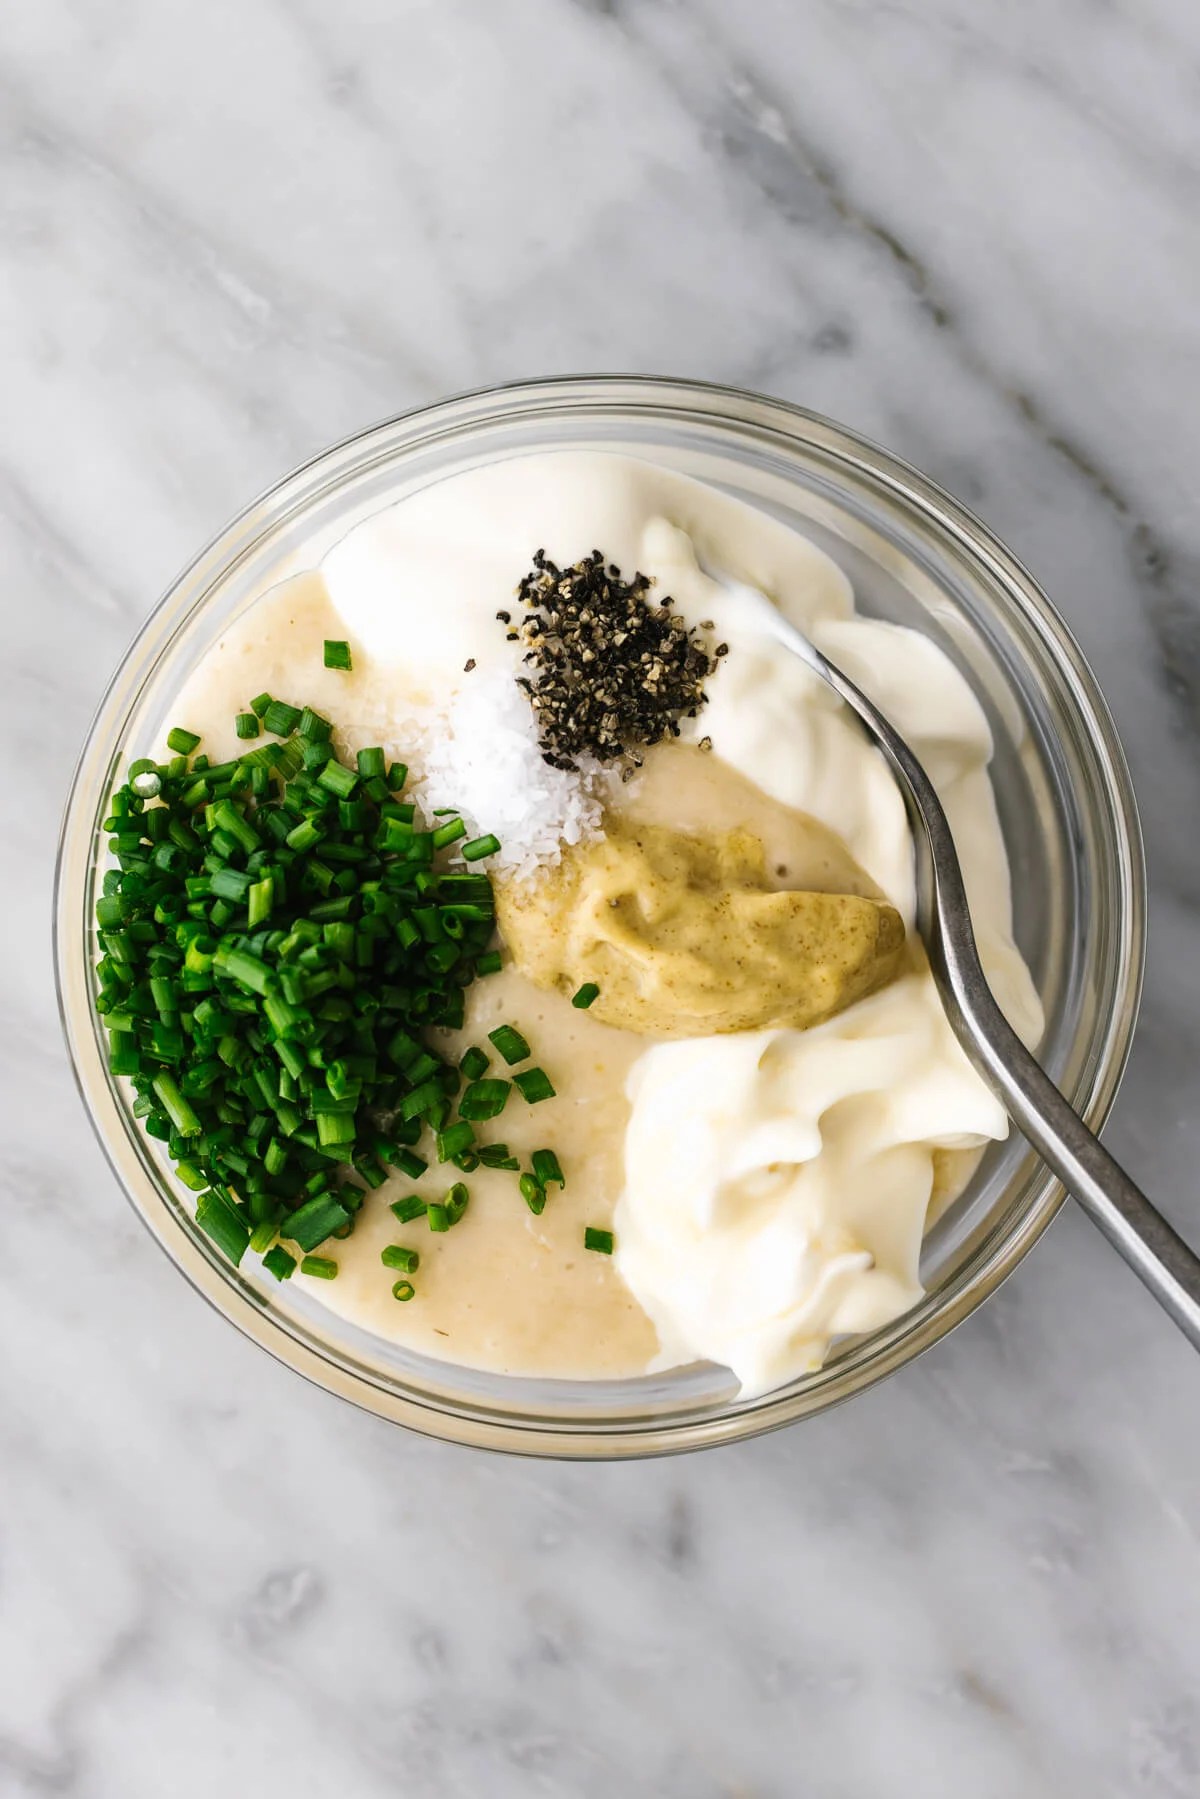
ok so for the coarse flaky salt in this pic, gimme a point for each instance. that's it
(481, 755)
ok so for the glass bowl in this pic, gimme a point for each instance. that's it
(914, 555)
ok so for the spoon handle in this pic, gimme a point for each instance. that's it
(1136, 1230)
(1134, 1227)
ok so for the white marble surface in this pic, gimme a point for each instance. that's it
(234, 232)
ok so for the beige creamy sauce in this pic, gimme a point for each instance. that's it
(503, 1290)
(693, 792)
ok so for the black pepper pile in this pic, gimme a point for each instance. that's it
(611, 672)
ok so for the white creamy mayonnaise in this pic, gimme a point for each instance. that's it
(776, 1183)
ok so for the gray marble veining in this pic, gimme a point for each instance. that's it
(231, 234)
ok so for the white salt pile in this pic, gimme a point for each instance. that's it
(481, 756)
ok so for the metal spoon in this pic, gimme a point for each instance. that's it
(1136, 1230)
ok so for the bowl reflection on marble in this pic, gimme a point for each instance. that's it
(914, 556)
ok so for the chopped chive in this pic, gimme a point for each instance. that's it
(473, 1064)
(533, 1193)
(242, 967)
(313, 726)
(547, 1167)
(230, 884)
(439, 1217)
(338, 779)
(230, 820)
(337, 654)
(490, 962)
(408, 1209)
(457, 1200)
(403, 1291)
(280, 719)
(420, 1102)
(336, 1130)
(479, 847)
(449, 833)
(496, 1155)
(314, 1221)
(258, 901)
(397, 775)
(484, 1099)
(416, 1062)
(466, 888)
(110, 910)
(453, 1141)
(406, 1161)
(370, 1171)
(510, 1043)
(263, 1236)
(535, 1085)
(246, 724)
(176, 1106)
(586, 994)
(259, 704)
(122, 1060)
(600, 1241)
(181, 741)
(321, 1268)
(305, 836)
(278, 1262)
(407, 1261)
(218, 1220)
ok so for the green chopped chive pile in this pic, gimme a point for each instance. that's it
(277, 934)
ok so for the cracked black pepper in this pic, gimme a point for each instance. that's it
(610, 671)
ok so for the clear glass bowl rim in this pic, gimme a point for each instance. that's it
(511, 1428)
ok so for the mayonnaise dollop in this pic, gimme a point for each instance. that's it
(776, 1183)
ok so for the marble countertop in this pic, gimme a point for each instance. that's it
(234, 233)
